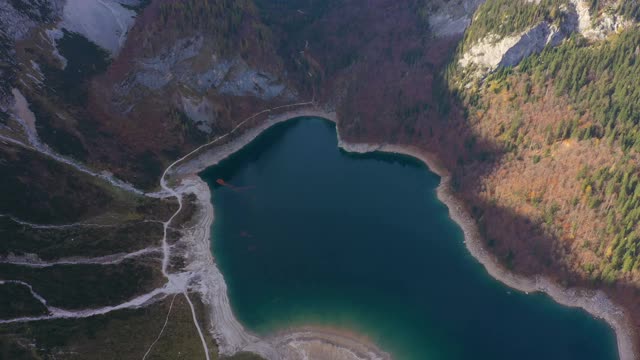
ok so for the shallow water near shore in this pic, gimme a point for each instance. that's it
(306, 234)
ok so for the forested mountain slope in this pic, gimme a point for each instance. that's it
(563, 121)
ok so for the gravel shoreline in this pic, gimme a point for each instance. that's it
(300, 343)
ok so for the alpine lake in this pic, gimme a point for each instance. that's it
(308, 234)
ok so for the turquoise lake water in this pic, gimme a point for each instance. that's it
(305, 233)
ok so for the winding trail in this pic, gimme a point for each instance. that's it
(166, 321)
(57, 313)
(51, 226)
(175, 194)
(33, 293)
(163, 184)
(33, 261)
(195, 322)
(177, 283)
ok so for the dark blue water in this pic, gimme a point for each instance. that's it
(307, 234)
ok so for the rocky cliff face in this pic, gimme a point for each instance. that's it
(603, 25)
(494, 51)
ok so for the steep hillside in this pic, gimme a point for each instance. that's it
(175, 71)
(562, 121)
